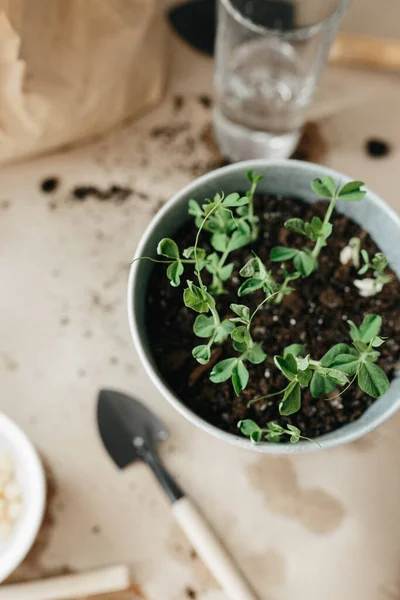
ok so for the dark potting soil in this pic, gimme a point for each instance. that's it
(315, 314)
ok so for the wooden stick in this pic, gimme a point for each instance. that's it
(99, 581)
(365, 51)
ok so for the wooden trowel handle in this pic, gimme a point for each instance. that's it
(364, 51)
(99, 581)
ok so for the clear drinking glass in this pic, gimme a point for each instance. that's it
(269, 57)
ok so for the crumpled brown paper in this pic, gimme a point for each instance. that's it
(70, 70)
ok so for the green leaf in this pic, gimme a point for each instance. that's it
(281, 253)
(174, 272)
(194, 209)
(189, 253)
(321, 386)
(195, 298)
(204, 326)
(274, 426)
(256, 436)
(304, 263)
(372, 380)
(316, 227)
(330, 356)
(252, 177)
(291, 401)
(248, 270)
(324, 187)
(326, 230)
(239, 347)
(347, 363)
(370, 327)
(296, 434)
(241, 335)
(377, 341)
(223, 370)
(337, 376)
(226, 272)
(241, 311)
(249, 286)
(255, 354)
(354, 331)
(288, 366)
(167, 247)
(223, 331)
(238, 239)
(379, 262)
(363, 269)
(240, 377)
(234, 200)
(254, 268)
(360, 346)
(303, 363)
(249, 427)
(296, 225)
(352, 192)
(294, 429)
(202, 354)
(373, 355)
(219, 241)
(304, 376)
(295, 349)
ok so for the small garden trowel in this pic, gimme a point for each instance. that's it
(131, 432)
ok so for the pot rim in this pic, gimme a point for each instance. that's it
(327, 440)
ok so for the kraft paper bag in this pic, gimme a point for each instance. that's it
(73, 69)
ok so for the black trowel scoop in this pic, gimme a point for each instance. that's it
(131, 432)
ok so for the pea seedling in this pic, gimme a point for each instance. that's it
(370, 286)
(231, 224)
(306, 260)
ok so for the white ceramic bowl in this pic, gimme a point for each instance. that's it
(30, 476)
(286, 177)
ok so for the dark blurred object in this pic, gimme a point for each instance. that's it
(196, 21)
(377, 148)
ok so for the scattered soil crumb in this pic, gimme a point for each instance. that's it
(180, 548)
(169, 133)
(96, 530)
(377, 148)
(104, 306)
(50, 185)
(312, 146)
(64, 321)
(115, 193)
(9, 362)
(178, 103)
(190, 593)
(5, 204)
(114, 360)
(205, 100)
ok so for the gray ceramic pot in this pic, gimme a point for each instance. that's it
(287, 177)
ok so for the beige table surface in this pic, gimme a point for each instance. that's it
(320, 526)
